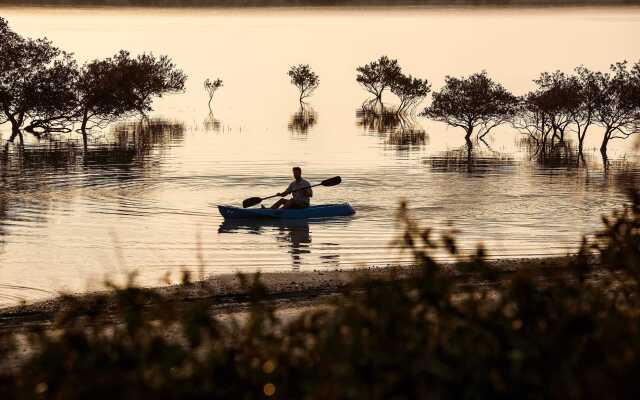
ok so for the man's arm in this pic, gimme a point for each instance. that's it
(285, 192)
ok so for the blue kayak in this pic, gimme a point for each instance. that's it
(321, 211)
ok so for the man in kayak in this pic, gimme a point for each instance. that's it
(301, 198)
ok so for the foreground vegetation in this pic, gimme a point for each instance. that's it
(570, 335)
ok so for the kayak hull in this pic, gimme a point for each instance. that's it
(320, 211)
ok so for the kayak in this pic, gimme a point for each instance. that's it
(320, 211)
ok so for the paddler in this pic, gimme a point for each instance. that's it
(300, 189)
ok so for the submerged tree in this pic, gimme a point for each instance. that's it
(115, 87)
(103, 92)
(410, 91)
(36, 83)
(583, 115)
(211, 87)
(304, 79)
(42, 90)
(378, 75)
(560, 103)
(616, 102)
(476, 102)
(558, 97)
(54, 104)
(150, 77)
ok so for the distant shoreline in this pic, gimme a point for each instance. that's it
(315, 3)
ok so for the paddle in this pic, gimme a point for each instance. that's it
(252, 201)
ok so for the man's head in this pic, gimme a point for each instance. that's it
(297, 172)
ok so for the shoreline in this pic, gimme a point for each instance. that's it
(287, 291)
(279, 4)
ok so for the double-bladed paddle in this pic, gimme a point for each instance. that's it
(252, 201)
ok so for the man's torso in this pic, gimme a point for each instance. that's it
(300, 195)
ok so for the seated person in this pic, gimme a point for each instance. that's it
(301, 198)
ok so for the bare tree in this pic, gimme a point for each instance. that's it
(378, 75)
(304, 79)
(475, 103)
(211, 87)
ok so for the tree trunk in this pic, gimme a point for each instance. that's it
(581, 136)
(469, 130)
(580, 143)
(15, 127)
(605, 142)
(83, 129)
(469, 155)
(14, 133)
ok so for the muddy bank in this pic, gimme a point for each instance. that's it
(224, 294)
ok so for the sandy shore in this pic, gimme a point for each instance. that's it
(287, 291)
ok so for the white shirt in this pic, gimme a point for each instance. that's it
(300, 195)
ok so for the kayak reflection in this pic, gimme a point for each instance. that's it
(292, 235)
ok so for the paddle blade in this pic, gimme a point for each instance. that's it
(251, 201)
(331, 181)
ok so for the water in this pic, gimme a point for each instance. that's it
(141, 199)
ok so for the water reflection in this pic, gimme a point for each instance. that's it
(303, 119)
(47, 167)
(383, 120)
(399, 131)
(3, 217)
(624, 175)
(407, 139)
(211, 124)
(155, 195)
(479, 158)
(146, 134)
(293, 235)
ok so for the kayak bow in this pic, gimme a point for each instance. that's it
(320, 211)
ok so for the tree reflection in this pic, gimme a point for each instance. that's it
(4, 207)
(470, 158)
(382, 120)
(303, 119)
(125, 144)
(400, 131)
(146, 134)
(553, 154)
(211, 124)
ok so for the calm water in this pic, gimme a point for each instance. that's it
(140, 199)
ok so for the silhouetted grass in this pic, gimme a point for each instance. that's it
(572, 335)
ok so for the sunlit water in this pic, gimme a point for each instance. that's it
(143, 200)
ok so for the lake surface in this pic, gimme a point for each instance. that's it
(141, 197)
